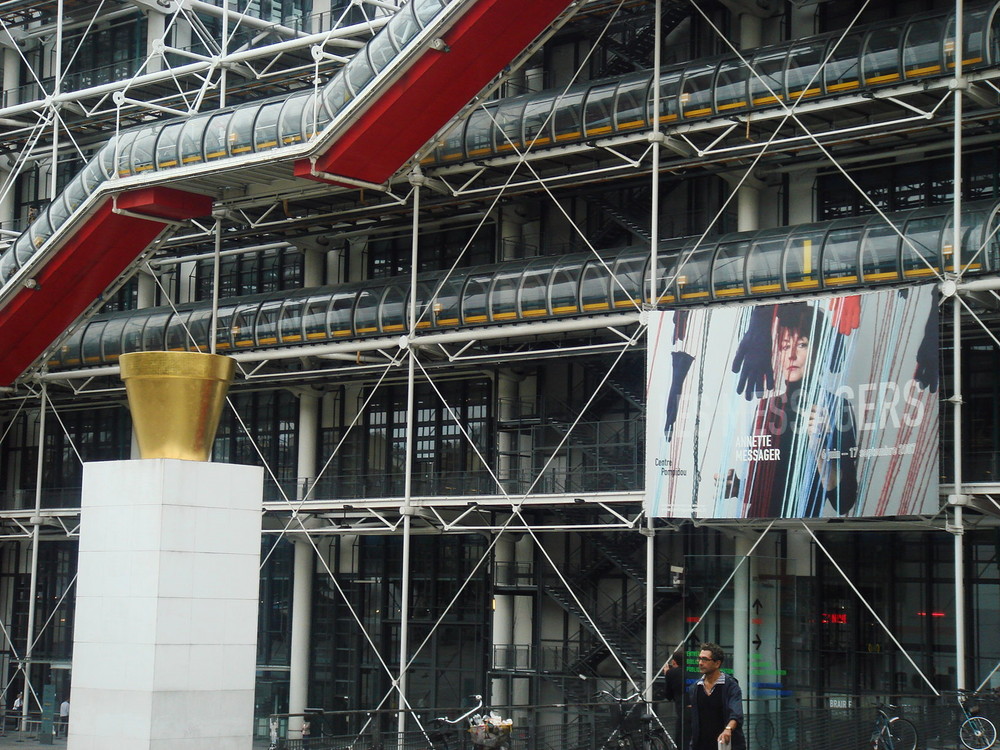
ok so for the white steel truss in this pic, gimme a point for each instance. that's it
(685, 147)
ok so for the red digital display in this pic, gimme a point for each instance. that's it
(833, 618)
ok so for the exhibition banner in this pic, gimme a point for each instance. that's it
(808, 409)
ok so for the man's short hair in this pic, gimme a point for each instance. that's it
(677, 658)
(716, 650)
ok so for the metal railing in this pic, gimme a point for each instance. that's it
(782, 724)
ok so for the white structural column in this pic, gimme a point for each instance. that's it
(313, 265)
(507, 408)
(155, 26)
(11, 75)
(165, 640)
(800, 197)
(748, 197)
(308, 434)
(56, 74)
(748, 207)
(146, 292)
(298, 677)
(503, 619)
(6, 197)
(523, 627)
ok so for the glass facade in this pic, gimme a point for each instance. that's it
(250, 273)
(454, 443)
(906, 186)
(261, 429)
(448, 621)
(541, 416)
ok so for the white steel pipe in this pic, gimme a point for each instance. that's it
(56, 85)
(342, 36)
(407, 507)
(959, 531)
(35, 539)
(654, 241)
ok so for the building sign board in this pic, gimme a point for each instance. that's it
(817, 408)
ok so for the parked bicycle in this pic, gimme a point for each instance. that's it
(976, 732)
(892, 733)
(634, 725)
(486, 729)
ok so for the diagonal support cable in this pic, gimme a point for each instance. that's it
(870, 609)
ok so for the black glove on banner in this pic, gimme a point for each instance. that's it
(837, 353)
(926, 372)
(680, 324)
(753, 356)
(681, 365)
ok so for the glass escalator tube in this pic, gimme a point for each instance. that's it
(785, 260)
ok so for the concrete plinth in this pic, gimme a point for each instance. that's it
(166, 607)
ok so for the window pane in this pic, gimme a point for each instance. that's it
(727, 274)
(922, 48)
(843, 70)
(696, 94)
(879, 250)
(881, 58)
(840, 256)
(804, 76)
(765, 264)
(631, 104)
(766, 80)
(731, 86)
(599, 108)
(802, 259)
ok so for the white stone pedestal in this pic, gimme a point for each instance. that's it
(166, 607)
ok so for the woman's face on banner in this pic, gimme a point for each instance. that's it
(791, 355)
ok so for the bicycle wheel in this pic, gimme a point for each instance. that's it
(762, 737)
(977, 733)
(899, 735)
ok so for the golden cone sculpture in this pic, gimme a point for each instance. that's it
(176, 399)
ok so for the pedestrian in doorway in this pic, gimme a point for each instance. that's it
(64, 717)
(18, 708)
(674, 691)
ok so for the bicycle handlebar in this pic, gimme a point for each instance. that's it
(624, 699)
(466, 715)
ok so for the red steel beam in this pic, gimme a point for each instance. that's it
(83, 267)
(438, 85)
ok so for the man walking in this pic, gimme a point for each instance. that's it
(673, 677)
(64, 717)
(716, 704)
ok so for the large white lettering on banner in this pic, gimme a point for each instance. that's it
(819, 408)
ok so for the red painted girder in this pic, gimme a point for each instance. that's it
(435, 88)
(82, 268)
